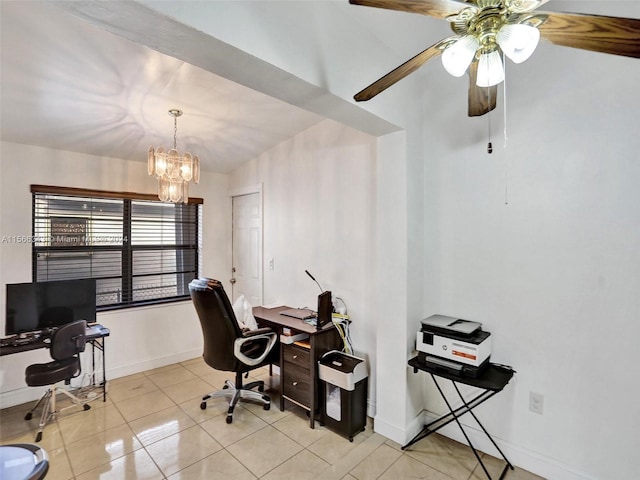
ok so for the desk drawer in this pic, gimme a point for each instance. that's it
(296, 383)
(297, 355)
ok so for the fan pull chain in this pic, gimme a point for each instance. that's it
(504, 100)
(506, 157)
(489, 145)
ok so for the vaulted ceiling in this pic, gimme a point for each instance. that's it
(69, 85)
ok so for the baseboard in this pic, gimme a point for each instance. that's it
(398, 435)
(518, 456)
(30, 394)
(151, 363)
(371, 408)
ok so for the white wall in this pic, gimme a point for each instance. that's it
(553, 274)
(319, 215)
(141, 338)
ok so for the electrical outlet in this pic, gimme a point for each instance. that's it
(536, 402)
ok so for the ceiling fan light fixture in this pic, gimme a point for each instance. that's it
(490, 69)
(457, 57)
(518, 41)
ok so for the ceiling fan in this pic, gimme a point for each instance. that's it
(486, 28)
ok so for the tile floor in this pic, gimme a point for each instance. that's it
(152, 427)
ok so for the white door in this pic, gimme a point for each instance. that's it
(247, 248)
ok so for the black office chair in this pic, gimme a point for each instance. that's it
(66, 344)
(228, 348)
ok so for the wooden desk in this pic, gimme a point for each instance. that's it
(298, 363)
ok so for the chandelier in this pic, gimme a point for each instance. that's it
(483, 32)
(173, 170)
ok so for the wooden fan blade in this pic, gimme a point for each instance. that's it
(399, 73)
(481, 100)
(614, 35)
(434, 8)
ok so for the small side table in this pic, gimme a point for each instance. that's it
(23, 461)
(492, 380)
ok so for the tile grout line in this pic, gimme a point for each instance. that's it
(354, 458)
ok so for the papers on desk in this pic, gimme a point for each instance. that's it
(288, 337)
(95, 330)
(271, 305)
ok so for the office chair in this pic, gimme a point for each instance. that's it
(66, 344)
(228, 348)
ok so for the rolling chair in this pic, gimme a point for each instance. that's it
(66, 344)
(228, 348)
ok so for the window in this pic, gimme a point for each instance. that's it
(139, 250)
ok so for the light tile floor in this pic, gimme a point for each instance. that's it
(152, 427)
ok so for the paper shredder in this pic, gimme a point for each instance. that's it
(343, 389)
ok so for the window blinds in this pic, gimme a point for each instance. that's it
(139, 251)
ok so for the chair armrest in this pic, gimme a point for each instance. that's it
(252, 336)
(257, 331)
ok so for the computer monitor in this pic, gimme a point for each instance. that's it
(38, 306)
(325, 309)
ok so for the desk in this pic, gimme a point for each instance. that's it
(299, 364)
(492, 380)
(95, 335)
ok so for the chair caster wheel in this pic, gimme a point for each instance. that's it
(38, 437)
(28, 416)
(351, 439)
(267, 406)
(261, 388)
(203, 405)
(86, 407)
(229, 419)
(225, 386)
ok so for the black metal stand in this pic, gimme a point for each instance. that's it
(493, 379)
(98, 342)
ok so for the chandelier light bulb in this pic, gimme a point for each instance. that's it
(186, 169)
(175, 191)
(163, 189)
(490, 69)
(518, 41)
(457, 57)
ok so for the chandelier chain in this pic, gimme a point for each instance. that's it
(175, 131)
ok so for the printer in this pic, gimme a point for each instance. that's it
(453, 345)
